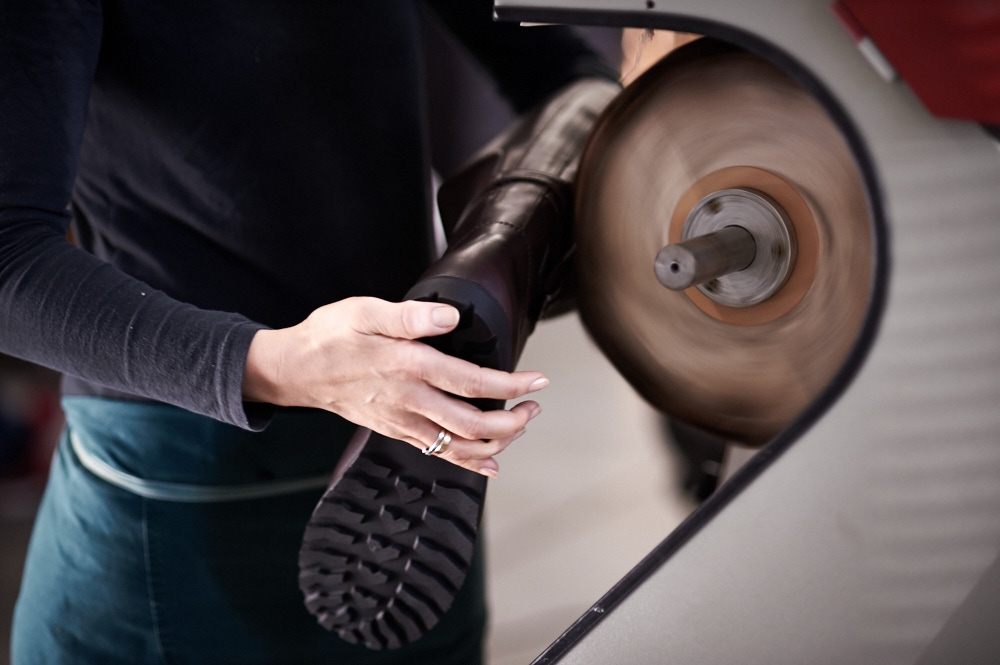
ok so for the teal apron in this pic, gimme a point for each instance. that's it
(170, 538)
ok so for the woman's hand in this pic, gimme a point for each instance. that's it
(360, 359)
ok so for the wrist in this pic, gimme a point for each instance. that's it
(260, 372)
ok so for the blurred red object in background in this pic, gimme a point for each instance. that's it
(947, 51)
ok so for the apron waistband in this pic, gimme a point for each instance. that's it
(186, 493)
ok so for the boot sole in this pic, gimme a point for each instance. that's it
(390, 543)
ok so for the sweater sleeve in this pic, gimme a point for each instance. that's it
(528, 64)
(60, 306)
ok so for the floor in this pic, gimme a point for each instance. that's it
(581, 498)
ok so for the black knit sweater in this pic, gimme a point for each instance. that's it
(226, 165)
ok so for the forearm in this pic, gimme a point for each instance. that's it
(62, 307)
(69, 311)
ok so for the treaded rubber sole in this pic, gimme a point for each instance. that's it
(390, 543)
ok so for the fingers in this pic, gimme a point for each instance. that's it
(466, 421)
(406, 320)
(466, 379)
(413, 320)
(470, 452)
(475, 455)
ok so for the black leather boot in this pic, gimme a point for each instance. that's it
(508, 220)
(390, 543)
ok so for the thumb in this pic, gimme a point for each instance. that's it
(411, 319)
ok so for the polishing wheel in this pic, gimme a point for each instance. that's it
(724, 242)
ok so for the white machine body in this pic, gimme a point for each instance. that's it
(869, 530)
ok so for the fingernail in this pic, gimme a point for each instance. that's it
(492, 473)
(445, 316)
(538, 384)
(518, 435)
(535, 411)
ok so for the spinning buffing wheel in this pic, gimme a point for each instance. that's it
(724, 243)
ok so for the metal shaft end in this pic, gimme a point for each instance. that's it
(696, 260)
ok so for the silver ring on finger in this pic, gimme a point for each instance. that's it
(440, 444)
